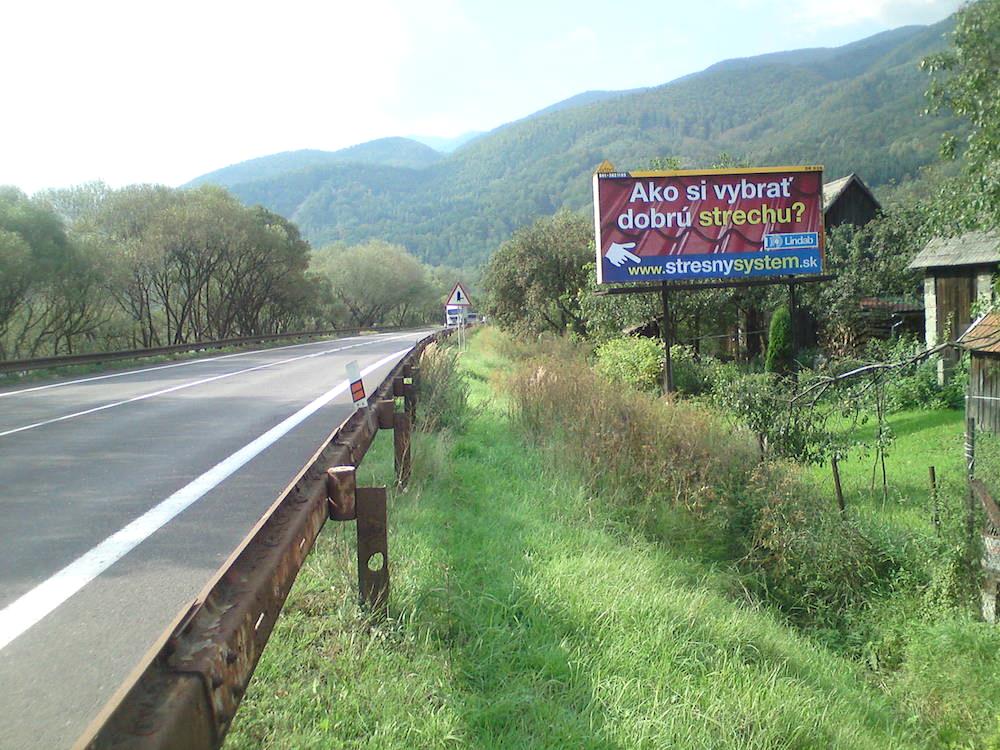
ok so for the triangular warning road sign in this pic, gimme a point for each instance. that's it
(459, 297)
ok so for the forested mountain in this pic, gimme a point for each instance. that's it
(854, 108)
(446, 145)
(391, 152)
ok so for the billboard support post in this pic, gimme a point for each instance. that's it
(666, 330)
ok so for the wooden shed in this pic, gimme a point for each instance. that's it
(982, 341)
(848, 201)
(958, 272)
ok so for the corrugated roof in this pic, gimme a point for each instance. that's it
(832, 190)
(983, 335)
(892, 304)
(969, 249)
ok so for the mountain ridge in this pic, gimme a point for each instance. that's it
(854, 108)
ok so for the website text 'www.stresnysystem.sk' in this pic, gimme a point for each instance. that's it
(721, 266)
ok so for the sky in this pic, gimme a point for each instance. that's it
(137, 92)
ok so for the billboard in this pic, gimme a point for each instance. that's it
(720, 224)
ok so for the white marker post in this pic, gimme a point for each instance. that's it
(357, 384)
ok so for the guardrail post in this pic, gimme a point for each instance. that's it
(385, 408)
(341, 491)
(410, 392)
(373, 551)
(401, 446)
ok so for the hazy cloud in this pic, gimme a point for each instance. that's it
(888, 12)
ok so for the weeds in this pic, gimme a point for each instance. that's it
(444, 393)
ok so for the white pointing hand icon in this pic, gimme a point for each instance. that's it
(618, 254)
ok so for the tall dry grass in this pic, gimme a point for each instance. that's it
(635, 447)
(689, 478)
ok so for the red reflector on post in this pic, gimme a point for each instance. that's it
(357, 384)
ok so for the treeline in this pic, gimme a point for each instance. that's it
(94, 269)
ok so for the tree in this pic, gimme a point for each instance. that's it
(533, 280)
(966, 80)
(375, 282)
(869, 261)
(779, 343)
(39, 266)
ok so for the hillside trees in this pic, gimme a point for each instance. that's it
(49, 294)
(94, 268)
(377, 283)
(966, 81)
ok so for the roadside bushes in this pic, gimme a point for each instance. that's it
(638, 361)
(444, 393)
(804, 557)
(634, 360)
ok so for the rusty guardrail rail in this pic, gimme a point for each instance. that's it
(39, 363)
(184, 693)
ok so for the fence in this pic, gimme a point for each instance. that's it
(185, 692)
(980, 494)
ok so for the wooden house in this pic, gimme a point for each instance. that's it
(958, 273)
(982, 401)
(848, 201)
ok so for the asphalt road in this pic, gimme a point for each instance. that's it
(121, 495)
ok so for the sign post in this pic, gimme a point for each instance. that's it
(459, 298)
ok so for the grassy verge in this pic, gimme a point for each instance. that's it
(526, 614)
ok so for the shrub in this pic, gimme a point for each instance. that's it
(916, 386)
(806, 558)
(634, 360)
(779, 342)
(690, 375)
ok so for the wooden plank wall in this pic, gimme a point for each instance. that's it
(983, 403)
(956, 291)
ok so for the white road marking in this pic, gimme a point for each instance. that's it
(29, 609)
(186, 363)
(183, 386)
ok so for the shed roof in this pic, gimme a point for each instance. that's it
(983, 335)
(833, 190)
(969, 249)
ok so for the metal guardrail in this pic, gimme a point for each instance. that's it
(40, 363)
(184, 693)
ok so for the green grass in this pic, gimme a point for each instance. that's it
(523, 615)
(923, 438)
